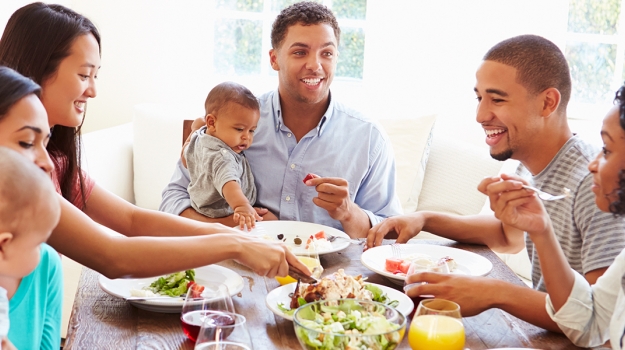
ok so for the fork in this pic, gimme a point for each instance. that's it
(546, 196)
(396, 248)
(331, 239)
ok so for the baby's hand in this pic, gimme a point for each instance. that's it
(246, 215)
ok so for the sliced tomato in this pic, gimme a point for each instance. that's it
(308, 241)
(320, 235)
(195, 291)
(392, 264)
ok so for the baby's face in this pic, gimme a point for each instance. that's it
(234, 125)
(22, 253)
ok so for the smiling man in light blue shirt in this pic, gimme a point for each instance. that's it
(303, 130)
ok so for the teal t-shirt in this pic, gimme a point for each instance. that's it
(35, 308)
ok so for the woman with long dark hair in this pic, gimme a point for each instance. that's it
(60, 50)
(588, 315)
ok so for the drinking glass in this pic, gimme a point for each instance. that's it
(209, 307)
(437, 324)
(416, 268)
(233, 336)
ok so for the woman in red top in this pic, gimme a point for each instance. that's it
(60, 50)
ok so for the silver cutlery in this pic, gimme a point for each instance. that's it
(396, 248)
(154, 298)
(331, 238)
(547, 196)
(298, 275)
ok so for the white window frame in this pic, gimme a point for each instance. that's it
(267, 16)
(596, 111)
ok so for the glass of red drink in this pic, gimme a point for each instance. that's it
(228, 332)
(212, 303)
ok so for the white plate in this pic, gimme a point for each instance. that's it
(303, 230)
(207, 274)
(467, 263)
(281, 295)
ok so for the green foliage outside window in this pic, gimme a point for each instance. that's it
(592, 68)
(351, 53)
(241, 5)
(238, 45)
(278, 5)
(352, 9)
(594, 16)
(593, 64)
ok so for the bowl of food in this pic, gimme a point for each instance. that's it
(348, 324)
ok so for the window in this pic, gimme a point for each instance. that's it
(595, 50)
(243, 30)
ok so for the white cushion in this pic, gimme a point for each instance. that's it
(107, 158)
(453, 171)
(411, 140)
(157, 147)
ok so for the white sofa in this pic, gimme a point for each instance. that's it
(435, 171)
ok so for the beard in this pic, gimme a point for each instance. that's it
(505, 155)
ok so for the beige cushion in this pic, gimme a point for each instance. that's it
(410, 139)
(453, 171)
(157, 146)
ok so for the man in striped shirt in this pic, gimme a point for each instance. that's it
(523, 87)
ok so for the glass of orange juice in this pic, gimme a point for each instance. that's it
(437, 324)
(308, 257)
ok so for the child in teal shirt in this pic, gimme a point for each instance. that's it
(30, 271)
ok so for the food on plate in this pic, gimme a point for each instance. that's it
(173, 285)
(349, 324)
(400, 266)
(319, 240)
(336, 286)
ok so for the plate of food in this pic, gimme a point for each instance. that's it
(283, 300)
(298, 236)
(166, 293)
(381, 260)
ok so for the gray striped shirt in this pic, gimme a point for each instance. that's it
(590, 238)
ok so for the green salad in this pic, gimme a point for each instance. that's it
(348, 325)
(173, 285)
(378, 295)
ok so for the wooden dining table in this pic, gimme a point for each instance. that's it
(102, 321)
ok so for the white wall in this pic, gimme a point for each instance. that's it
(421, 55)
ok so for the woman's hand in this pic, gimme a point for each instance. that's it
(267, 258)
(515, 206)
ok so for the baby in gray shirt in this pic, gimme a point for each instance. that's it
(222, 183)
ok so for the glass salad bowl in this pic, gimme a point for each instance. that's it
(348, 324)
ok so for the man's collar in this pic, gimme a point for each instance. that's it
(322, 123)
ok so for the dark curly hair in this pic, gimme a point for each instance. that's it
(305, 13)
(618, 207)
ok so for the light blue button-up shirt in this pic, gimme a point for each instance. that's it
(344, 144)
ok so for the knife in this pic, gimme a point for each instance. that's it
(299, 275)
